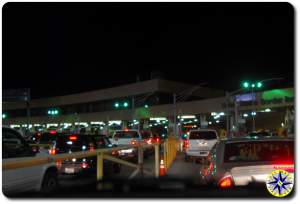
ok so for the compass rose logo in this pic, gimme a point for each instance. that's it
(280, 183)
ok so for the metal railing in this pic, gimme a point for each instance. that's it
(169, 147)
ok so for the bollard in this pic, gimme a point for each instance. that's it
(99, 166)
(156, 146)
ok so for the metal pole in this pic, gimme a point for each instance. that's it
(141, 159)
(132, 108)
(253, 118)
(28, 108)
(156, 147)
(236, 115)
(100, 167)
(227, 114)
(175, 115)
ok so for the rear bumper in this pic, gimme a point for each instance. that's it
(197, 153)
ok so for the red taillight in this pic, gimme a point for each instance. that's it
(149, 141)
(186, 143)
(52, 151)
(84, 165)
(287, 165)
(52, 132)
(114, 153)
(156, 139)
(91, 147)
(73, 138)
(58, 164)
(226, 182)
(133, 142)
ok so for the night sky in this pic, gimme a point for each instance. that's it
(57, 48)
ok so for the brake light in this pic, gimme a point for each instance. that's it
(84, 165)
(186, 143)
(58, 164)
(114, 152)
(133, 142)
(149, 141)
(52, 151)
(73, 138)
(284, 165)
(226, 182)
(52, 132)
(91, 147)
(157, 139)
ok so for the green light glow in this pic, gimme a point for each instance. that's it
(246, 84)
(259, 85)
(277, 94)
(125, 104)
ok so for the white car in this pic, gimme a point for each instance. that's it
(35, 178)
(127, 137)
(245, 161)
(200, 142)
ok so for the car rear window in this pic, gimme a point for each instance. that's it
(259, 151)
(127, 134)
(72, 142)
(47, 138)
(203, 135)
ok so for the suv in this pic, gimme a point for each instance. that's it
(69, 143)
(200, 142)
(35, 178)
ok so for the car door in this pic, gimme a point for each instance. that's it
(15, 148)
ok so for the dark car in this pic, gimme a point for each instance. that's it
(68, 143)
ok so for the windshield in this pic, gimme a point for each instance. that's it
(127, 134)
(203, 135)
(259, 151)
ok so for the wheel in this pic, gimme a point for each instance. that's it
(50, 183)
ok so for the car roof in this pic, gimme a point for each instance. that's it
(248, 139)
(127, 130)
(202, 130)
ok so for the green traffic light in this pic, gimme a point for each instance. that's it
(253, 85)
(246, 84)
(125, 104)
(259, 84)
(146, 106)
(117, 105)
(4, 115)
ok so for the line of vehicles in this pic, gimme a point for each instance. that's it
(44, 177)
(239, 161)
(225, 163)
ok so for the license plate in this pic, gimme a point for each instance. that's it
(69, 170)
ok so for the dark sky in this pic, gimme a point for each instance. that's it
(57, 49)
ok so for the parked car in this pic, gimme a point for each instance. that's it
(199, 143)
(34, 178)
(244, 161)
(68, 143)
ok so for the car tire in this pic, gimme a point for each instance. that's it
(50, 182)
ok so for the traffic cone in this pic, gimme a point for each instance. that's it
(162, 169)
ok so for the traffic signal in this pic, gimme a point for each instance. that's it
(146, 106)
(124, 104)
(258, 84)
(246, 84)
(4, 115)
(116, 105)
(53, 112)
